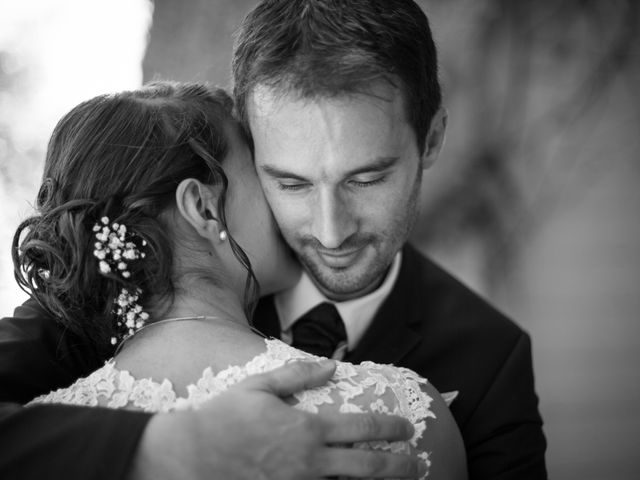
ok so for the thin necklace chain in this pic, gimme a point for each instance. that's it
(178, 319)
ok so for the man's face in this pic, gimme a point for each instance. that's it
(342, 176)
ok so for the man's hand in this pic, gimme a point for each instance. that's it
(250, 433)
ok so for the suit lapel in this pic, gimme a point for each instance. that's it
(391, 335)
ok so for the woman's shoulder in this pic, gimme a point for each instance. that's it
(388, 389)
(370, 387)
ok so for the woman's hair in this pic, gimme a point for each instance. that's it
(121, 156)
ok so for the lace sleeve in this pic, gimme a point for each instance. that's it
(371, 387)
(113, 388)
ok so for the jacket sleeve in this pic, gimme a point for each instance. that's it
(55, 441)
(508, 443)
(60, 441)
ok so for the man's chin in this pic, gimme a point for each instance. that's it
(340, 284)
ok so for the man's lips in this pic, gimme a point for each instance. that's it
(339, 258)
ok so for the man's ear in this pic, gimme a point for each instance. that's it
(435, 138)
(197, 205)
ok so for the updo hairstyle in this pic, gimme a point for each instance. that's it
(121, 156)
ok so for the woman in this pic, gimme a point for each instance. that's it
(151, 235)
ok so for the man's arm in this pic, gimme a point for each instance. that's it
(55, 441)
(37, 355)
(58, 441)
(246, 430)
(246, 433)
(250, 432)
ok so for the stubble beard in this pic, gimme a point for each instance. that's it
(361, 278)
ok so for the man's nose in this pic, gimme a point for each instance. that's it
(333, 220)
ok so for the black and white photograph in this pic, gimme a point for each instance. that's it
(304, 239)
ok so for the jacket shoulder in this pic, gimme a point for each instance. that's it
(441, 298)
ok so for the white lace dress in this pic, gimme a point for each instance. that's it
(367, 387)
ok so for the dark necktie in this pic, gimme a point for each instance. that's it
(319, 331)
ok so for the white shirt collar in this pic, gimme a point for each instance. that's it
(357, 314)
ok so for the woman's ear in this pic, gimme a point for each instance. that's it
(435, 138)
(197, 205)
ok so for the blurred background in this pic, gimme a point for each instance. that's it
(534, 202)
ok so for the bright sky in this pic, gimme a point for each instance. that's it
(54, 55)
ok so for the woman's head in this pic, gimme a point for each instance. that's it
(140, 158)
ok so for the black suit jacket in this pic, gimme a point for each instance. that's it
(56, 441)
(436, 326)
(430, 323)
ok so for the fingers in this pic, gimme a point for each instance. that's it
(292, 378)
(353, 462)
(364, 427)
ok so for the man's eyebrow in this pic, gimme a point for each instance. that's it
(378, 165)
(278, 173)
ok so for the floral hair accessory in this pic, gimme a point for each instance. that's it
(114, 249)
(131, 318)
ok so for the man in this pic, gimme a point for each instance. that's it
(343, 103)
(344, 107)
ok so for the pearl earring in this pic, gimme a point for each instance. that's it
(223, 235)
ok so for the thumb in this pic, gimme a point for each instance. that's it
(291, 378)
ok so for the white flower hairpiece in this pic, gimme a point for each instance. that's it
(131, 318)
(113, 252)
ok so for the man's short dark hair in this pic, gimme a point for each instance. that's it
(319, 48)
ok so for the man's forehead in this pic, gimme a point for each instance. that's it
(351, 128)
(332, 137)
(265, 100)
